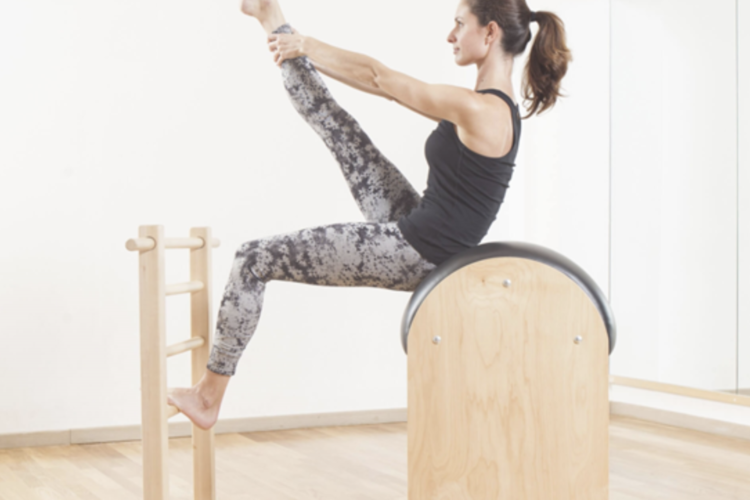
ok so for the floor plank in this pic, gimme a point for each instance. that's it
(367, 462)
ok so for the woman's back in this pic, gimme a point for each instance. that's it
(464, 191)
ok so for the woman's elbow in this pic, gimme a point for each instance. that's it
(379, 73)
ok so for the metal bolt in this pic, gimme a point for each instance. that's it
(506, 283)
(578, 339)
(436, 340)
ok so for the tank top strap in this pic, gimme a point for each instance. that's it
(505, 97)
(515, 112)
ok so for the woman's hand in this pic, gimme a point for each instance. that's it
(286, 46)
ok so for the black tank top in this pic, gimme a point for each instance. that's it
(464, 192)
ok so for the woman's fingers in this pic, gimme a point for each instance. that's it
(285, 46)
(273, 46)
(278, 57)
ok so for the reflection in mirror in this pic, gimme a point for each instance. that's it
(674, 192)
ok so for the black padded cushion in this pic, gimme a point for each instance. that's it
(510, 249)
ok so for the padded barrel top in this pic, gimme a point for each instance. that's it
(510, 249)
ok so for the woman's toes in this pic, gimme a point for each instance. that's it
(183, 399)
(193, 406)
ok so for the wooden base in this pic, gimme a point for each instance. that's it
(508, 405)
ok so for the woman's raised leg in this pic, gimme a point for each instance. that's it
(380, 190)
(357, 254)
(367, 254)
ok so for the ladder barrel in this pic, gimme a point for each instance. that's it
(156, 411)
(508, 356)
(201, 325)
(172, 411)
(184, 346)
(510, 249)
(180, 288)
(143, 244)
(154, 417)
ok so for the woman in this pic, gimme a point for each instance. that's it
(471, 156)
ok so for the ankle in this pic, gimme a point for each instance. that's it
(273, 22)
(211, 388)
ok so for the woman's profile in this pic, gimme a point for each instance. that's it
(405, 235)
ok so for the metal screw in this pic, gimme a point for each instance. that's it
(506, 283)
(578, 339)
(436, 340)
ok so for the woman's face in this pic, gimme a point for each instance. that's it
(466, 37)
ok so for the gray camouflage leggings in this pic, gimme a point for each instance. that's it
(372, 253)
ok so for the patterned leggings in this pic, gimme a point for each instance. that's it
(372, 253)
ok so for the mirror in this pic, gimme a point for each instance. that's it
(680, 236)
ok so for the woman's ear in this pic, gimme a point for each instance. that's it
(494, 29)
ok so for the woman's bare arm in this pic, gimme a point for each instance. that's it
(351, 83)
(365, 88)
(409, 107)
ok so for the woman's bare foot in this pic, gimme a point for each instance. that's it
(268, 12)
(257, 8)
(201, 403)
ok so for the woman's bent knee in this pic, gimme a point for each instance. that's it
(247, 258)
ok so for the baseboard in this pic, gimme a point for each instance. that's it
(682, 420)
(183, 429)
(25, 440)
(257, 424)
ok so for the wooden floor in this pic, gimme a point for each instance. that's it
(647, 461)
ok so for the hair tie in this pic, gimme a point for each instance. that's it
(533, 17)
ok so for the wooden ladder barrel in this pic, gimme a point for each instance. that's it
(155, 412)
(508, 354)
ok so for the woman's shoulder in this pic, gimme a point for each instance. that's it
(492, 133)
(509, 100)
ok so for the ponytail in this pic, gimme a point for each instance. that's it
(547, 64)
(549, 57)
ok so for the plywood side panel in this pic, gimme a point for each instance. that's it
(507, 405)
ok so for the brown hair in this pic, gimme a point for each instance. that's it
(549, 57)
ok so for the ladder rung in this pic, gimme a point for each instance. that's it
(189, 287)
(172, 411)
(191, 243)
(142, 244)
(187, 345)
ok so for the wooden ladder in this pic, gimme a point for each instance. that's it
(155, 412)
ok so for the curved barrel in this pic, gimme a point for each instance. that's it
(510, 249)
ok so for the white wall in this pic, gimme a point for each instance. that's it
(117, 115)
(560, 191)
(674, 218)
